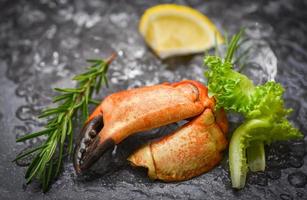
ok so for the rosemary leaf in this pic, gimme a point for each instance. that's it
(79, 104)
(34, 169)
(93, 60)
(93, 101)
(47, 180)
(34, 135)
(49, 112)
(105, 80)
(30, 151)
(59, 163)
(99, 84)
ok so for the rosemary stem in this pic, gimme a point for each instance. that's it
(48, 160)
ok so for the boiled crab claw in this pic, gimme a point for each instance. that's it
(131, 111)
(191, 150)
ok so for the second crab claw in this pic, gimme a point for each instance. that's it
(131, 111)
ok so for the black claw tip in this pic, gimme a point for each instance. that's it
(89, 148)
(92, 154)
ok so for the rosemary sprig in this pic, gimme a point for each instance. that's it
(47, 163)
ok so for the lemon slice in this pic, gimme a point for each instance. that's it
(177, 30)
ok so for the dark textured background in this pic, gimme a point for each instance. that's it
(44, 43)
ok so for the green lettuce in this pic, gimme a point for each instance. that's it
(262, 107)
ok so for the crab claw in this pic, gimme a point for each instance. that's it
(191, 150)
(131, 111)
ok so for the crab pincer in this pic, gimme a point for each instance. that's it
(131, 111)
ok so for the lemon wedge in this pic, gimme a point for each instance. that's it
(172, 30)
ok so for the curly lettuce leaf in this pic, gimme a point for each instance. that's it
(262, 106)
(237, 93)
(232, 90)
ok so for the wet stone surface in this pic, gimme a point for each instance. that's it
(44, 43)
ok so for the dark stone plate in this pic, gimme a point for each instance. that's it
(44, 43)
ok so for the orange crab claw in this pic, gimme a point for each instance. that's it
(193, 149)
(127, 112)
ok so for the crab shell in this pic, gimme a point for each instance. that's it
(128, 112)
(193, 149)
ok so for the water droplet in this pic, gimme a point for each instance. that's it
(139, 53)
(297, 147)
(55, 56)
(273, 174)
(20, 131)
(295, 161)
(24, 89)
(285, 197)
(121, 53)
(25, 113)
(29, 92)
(297, 179)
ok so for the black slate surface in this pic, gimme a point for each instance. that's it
(44, 43)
